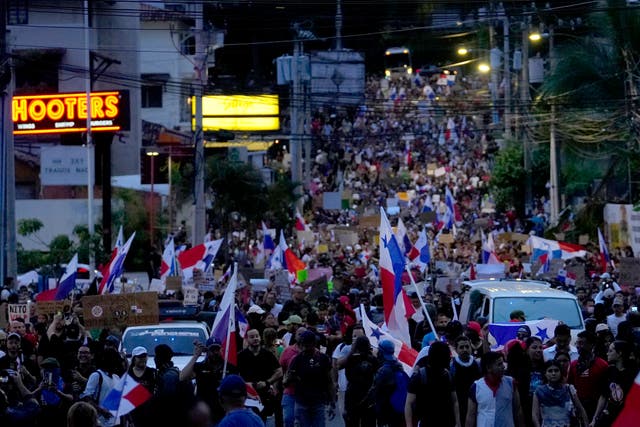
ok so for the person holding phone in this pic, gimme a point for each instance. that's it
(54, 401)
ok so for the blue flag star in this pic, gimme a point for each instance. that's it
(376, 333)
(542, 333)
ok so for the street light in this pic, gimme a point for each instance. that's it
(153, 154)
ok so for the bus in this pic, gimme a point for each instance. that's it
(397, 62)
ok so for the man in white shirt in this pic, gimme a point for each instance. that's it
(618, 315)
(562, 335)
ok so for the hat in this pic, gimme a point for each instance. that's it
(605, 276)
(387, 348)
(50, 362)
(14, 335)
(255, 309)
(601, 327)
(293, 319)
(212, 342)
(524, 329)
(233, 385)
(475, 326)
(139, 351)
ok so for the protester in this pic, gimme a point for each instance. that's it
(259, 367)
(310, 373)
(494, 399)
(389, 388)
(100, 383)
(233, 394)
(431, 396)
(208, 374)
(588, 373)
(556, 403)
(360, 368)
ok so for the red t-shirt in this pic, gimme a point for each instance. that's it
(588, 383)
(285, 360)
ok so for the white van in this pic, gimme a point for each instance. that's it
(495, 299)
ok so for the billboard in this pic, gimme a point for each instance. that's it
(238, 112)
(67, 112)
(63, 165)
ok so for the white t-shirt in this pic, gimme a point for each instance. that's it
(342, 350)
(108, 384)
(613, 321)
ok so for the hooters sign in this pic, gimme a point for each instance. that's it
(67, 112)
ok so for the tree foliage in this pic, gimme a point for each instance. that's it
(508, 178)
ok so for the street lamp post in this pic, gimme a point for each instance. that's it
(152, 213)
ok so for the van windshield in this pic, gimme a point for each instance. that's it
(179, 339)
(562, 309)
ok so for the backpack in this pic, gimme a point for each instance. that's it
(399, 394)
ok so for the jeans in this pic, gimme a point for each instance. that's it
(310, 415)
(288, 407)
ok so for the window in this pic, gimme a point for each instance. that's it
(563, 309)
(188, 44)
(17, 12)
(152, 96)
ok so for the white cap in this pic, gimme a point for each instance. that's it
(255, 309)
(138, 351)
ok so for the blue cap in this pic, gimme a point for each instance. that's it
(387, 348)
(233, 385)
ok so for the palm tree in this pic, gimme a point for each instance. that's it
(593, 86)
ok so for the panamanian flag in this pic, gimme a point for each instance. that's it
(397, 307)
(502, 333)
(126, 396)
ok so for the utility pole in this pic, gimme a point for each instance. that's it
(89, 141)
(201, 79)
(507, 77)
(339, 25)
(9, 262)
(295, 142)
(553, 149)
(524, 105)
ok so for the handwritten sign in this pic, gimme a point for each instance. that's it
(120, 310)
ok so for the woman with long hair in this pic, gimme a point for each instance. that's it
(555, 403)
(525, 363)
(620, 375)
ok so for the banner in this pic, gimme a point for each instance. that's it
(120, 310)
(18, 311)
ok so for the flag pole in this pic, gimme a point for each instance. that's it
(424, 307)
(232, 312)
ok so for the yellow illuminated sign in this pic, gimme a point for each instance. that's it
(67, 112)
(238, 112)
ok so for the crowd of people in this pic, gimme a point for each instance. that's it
(309, 359)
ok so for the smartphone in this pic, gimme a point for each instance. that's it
(49, 379)
(634, 308)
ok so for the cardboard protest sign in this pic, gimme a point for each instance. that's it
(446, 238)
(18, 311)
(120, 310)
(316, 288)
(174, 283)
(629, 271)
(370, 221)
(307, 237)
(51, 308)
(315, 273)
(190, 296)
(346, 235)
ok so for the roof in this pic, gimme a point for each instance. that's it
(507, 288)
